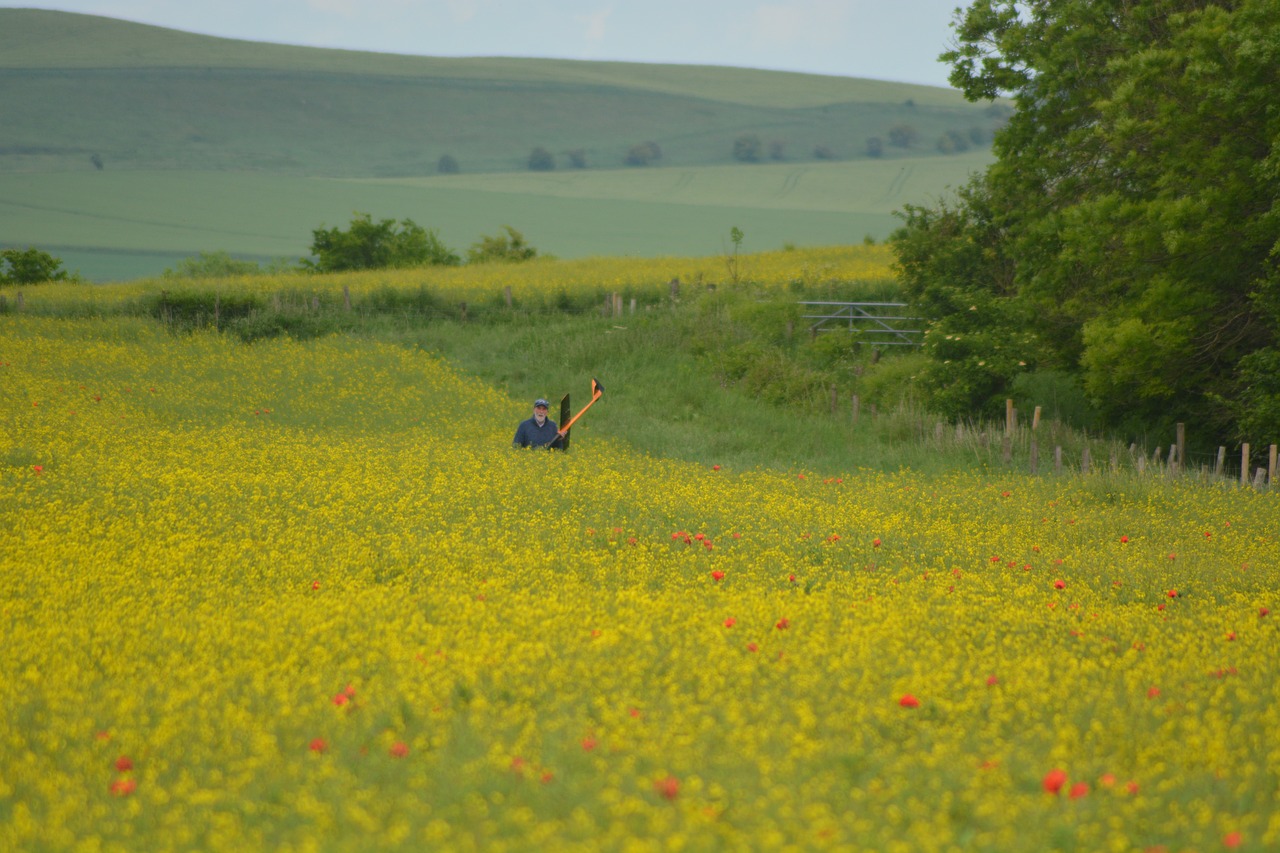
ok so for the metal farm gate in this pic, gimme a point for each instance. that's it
(875, 323)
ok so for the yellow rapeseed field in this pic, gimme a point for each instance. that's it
(304, 596)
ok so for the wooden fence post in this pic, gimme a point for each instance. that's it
(1222, 461)
(675, 290)
(1271, 468)
(1006, 449)
(506, 295)
(1244, 464)
(1035, 457)
(1008, 416)
(1084, 460)
(1035, 419)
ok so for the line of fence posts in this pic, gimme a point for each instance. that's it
(1174, 464)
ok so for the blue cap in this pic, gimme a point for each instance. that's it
(541, 402)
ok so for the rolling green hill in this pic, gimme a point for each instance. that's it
(161, 144)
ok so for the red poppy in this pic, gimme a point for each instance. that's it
(399, 749)
(315, 584)
(1054, 780)
(752, 647)
(1173, 593)
(1107, 780)
(124, 764)
(730, 622)
(992, 681)
(37, 468)
(319, 745)
(717, 575)
(588, 743)
(909, 701)
(783, 624)
(1231, 840)
(1078, 790)
(1153, 692)
(1059, 584)
(123, 787)
(667, 788)
(1262, 611)
(1131, 787)
(1124, 539)
(875, 543)
(340, 699)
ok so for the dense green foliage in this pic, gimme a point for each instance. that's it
(212, 265)
(29, 266)
(368, 245)
(1128, 231)
(508, 247)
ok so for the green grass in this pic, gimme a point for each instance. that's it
(165, 144)
(113, 225)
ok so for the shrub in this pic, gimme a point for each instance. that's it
(211, 265)
(509, 247)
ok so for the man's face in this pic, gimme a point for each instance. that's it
(539, 414)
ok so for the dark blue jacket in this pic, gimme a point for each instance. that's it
(529, 434)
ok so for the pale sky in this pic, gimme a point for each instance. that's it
(897, 40)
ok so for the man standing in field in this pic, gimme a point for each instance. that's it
(537, 431)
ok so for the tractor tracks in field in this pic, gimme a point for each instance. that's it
(789, 183)
(898, 184)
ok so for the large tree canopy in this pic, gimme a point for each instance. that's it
(1129, 229)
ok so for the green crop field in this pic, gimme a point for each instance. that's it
(166, 144)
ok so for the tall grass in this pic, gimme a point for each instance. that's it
(695, 366)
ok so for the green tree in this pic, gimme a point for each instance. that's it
(643, 154)
(1145, 235)
(902, 136)
(30, 266)
(748, 148)
(447, 165)
(509, 247)
(541, 160)
(374, 245)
